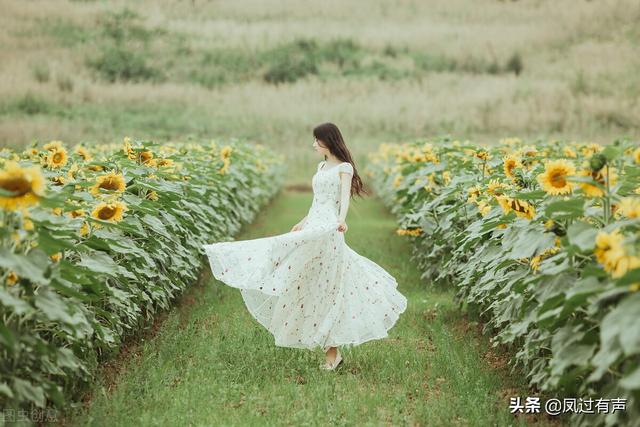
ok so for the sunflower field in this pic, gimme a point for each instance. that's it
(97, 239)
(542, 242)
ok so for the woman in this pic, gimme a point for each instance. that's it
(307, 287)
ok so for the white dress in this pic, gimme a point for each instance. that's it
(307, 287)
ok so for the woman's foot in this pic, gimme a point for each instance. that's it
(330, 355)
(332, 360)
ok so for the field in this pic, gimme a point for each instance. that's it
(270, 71)
(499, 140)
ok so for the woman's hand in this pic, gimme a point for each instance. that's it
(342, 226)
(296, 227)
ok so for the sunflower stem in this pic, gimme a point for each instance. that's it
(607, 199)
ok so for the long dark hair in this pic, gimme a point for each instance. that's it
(331, 138)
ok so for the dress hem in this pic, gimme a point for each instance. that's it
(350, 343)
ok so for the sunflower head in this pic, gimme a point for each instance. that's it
(57, 158)
(226, 151)
(84, 229)
(482, 155)
(569, 152)
(12, 278)
(84, 153)
(53, 145)
(76, 213)
(111, 182)
(109, 211)
(511, 162)
(495, 187)
(145, 156)
(630, 207)
(127, 148)
(554, 180)
(26, 185)
(599, 176)
(58, 180)
(597, 162)
(521, 208)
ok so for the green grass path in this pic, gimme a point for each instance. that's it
(210, 363)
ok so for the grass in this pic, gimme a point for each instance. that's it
(100, 71)
(211, 363)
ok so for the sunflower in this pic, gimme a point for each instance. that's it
(53, 145)
(482, 155)
(591, 190)
(84, 153)
(12, 278)
(522, 208)
(225, 167)
(409, 232)
(624, 264)
(84, 229)
(473, 193)
(112, 211)
(27, 224)
(31, 152)
(609, 248)
(636, 155)
(76, 213)
(569, 152)
(630, 207)
(554, 179)
(58, 180)
(535, 261)
(111, 182)
(27, 183)
(71, 173)
(528, 151)
(591, 148)
(128, 149)
(226, 151)
(483, 207)
(510, 163)
(495, 187)
(57, 158)
(145, 156)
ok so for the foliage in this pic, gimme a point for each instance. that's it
(96, 240)
(543, 241)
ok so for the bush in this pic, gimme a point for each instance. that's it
(292, 62)
(114, 235)
(30, 104)
(116, 63)
(542, 240)
(514, 64)
(41, 73)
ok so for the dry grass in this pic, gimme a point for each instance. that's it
(579, 78)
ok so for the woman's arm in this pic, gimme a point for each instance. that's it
(345, 193)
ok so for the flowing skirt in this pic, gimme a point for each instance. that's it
(308, 288)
